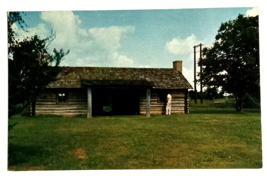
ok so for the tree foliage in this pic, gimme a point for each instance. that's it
(212, 93)
(14, 17)
(31, 68)
(232, 63)
(209, 94)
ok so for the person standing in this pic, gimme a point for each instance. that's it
(168, 105)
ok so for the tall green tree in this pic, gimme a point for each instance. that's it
(31, 67)
(232, 63)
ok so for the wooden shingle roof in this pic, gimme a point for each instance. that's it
(157, 78)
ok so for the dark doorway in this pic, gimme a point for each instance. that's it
(115, 102)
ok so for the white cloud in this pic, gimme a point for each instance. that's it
(179, 46)
(109, 38)
(124, 61)
(65, 24)
(40, 30)
(183, 50)
(253, 12)
(88, 47)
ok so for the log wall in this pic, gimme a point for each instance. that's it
(76, 103)
(180, 102)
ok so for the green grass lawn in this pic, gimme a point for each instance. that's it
(213, 138)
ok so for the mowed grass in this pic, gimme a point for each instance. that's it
(218, 138)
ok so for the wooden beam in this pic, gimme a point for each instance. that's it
(148, 102)
(89, 102)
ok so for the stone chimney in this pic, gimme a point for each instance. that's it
(178, 66)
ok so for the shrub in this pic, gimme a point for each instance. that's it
(250, 101)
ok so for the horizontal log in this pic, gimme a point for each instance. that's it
(77, 97)
(61, 114)
(54, 100)
(61, 106)
(46, 100)
(173, 99)
(46, 96)
(160, 106)
(81, 92)
(62, 111)
(77, 100)
(162, 103)
(152, 103)
(46, 103)
(65, 103)
(151, 100)
(162, 112)
(163, 109)
(173, 111)
(77, 103)
(173, 96)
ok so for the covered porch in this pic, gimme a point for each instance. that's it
(103, 101)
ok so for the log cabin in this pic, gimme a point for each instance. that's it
(98, 91)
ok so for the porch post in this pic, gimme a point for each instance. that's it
(89, 103)
(148, 102)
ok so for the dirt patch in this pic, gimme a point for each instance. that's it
(80, 153)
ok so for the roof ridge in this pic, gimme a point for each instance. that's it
(114, 67)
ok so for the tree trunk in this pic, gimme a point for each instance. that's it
(33, 103)
(236, 103)
(240, 102)
(33, 106)
(33, 100)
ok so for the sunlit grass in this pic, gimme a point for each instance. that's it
(201, 139)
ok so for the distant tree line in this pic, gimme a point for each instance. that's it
(208, 94)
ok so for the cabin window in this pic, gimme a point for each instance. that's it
(162, 97)
(62, 97)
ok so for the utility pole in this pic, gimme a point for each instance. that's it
(195, 80)
(201, 93)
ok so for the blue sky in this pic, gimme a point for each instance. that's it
(130, 38)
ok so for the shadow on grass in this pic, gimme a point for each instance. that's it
(221, 111)
(11, 126)
(20, 154)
